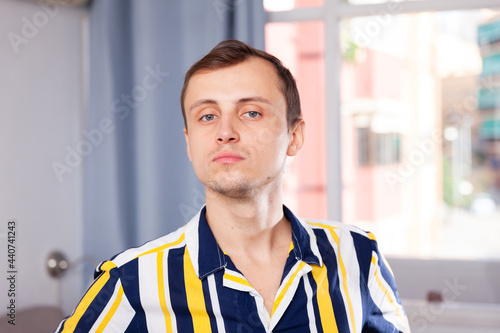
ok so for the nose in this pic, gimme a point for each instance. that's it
(227, 132)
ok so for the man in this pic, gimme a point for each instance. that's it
(245, 263)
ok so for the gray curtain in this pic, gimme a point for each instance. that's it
(138, 181)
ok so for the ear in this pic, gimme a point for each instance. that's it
(187, 144)
(297, 138)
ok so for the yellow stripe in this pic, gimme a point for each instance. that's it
(372, 237)
(326, 314)
(384, 289)
(70, 324)
(111, 311)
(237, 279)
(286, 287)
(343, 270)
(291, 247)
(387, 265)
(161, 291)
(321, 225)
(195, 299)
(163, 247)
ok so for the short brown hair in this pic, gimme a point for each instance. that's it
(232, 52)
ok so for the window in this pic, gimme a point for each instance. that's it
(377, 148)
(411, 103)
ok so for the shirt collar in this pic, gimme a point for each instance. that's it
(208, 257)
(304, 240)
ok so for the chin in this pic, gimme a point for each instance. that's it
(239, 189)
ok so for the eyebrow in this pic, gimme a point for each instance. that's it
(253, 99)
(240, 101)
(201, 102)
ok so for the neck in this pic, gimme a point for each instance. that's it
(248, 225)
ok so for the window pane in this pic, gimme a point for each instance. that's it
(301, 47)
(420, 105)
(280, 5)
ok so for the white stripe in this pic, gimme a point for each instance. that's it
(236, 285)
(214, 298)
(58, 329)
(351, 264)
(261, 310)
(105, 310)
(148, 291)
(167, 292)
(288, 297)
(382, 300)
(122, 317)
(192, 241)
(108, 306)
(132, 253)
(310, 308)
(259, 300)
(289, 275)
(341, 277)
(312, 240)
(338, 225)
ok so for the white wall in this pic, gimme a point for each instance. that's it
(41, 112)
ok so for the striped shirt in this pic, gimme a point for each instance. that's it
(334, 280)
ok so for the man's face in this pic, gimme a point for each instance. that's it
(238, 138)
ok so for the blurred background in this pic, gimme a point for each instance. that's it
(402, 106)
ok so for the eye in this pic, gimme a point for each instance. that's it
(252, 114)
(208, 117)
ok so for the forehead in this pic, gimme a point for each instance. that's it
(254, 76)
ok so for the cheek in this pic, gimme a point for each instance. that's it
(272, 135)
(195, 152)
(265, 137)
(273, 146)
(196, 155)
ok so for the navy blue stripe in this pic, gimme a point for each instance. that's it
(177, 288)
(129, 275)
(363, 247)
(238, 309)
(330, 261)
(384, 270)
(210, 256)
(290, 263)
(375, 321)
(364, 256)
(230, 265)
(295, 318)
(301, 239)
(98, 303)
(225, 296)
(208, 305)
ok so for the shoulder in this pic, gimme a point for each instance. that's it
(339, 228)
(173, 240)
(355, 246)
(345, 237)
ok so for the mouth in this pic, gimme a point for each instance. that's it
(225, 157)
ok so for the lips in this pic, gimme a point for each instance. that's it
(225, 157)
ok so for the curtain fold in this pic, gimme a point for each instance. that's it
(138, 181)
